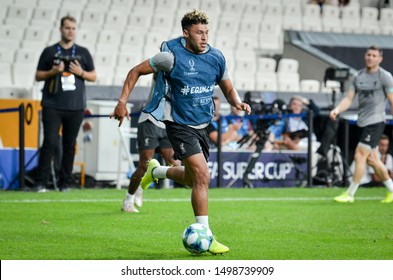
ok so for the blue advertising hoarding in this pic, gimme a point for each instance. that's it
(272, 169)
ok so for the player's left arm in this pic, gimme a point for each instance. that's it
(232, 96)
(387, 83)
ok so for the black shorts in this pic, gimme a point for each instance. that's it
(187, 141)
(371, 134)
(151, 137)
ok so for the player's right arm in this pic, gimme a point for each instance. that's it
(344, 104)
(133, 75)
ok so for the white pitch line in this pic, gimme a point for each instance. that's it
(182, 199)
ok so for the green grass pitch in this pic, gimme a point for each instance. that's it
(257, 224)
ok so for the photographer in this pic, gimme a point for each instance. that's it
(64, 67)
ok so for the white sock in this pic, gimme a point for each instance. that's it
(202, 220)
(130, 197)
(353, 187)
(389, 185)
(160, 172)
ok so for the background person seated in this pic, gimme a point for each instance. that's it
(294, 129)
(229, 132)
(370, 178)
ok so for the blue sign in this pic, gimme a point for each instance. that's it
(272, 169)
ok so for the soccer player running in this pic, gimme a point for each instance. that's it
(373, 85)
(191, 68)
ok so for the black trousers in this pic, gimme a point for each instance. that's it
(53, 120)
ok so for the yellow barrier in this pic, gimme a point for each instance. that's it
(9, 122)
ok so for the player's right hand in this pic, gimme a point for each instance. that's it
(120, 112)
(334, 113)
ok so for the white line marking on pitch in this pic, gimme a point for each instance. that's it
(181, 199)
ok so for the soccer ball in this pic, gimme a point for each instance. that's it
(197, 238)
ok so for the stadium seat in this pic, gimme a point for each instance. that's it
(288, 81)
(143, 7)
(249, 26)
(6, 55)
(23, 74)
(312, 24)
(288, 65)
(162, 22)
(92, 19)
(266, 64)
(116, 20)
(69, 9)
(132, 40)
(108, 41)
(292, 10)
(155, 39)
(37, 34)
(43, 16)
(166, 6)
(350, 11)
(386, 16)
(141, 21)
(253, 10)
(28, 56)
(49, 4)
(369, 21)
(246, 43)
(105, 59)
(232, 7)
(5, 74)
(99, 5)
(224, 42)
(86, 37)
(228, 24)
(120, 74)
(330, 25)
(387, 30)
(292, 23)
(104, 75)
(18, 15)
(309, 85)
(212, 6)
(292, 17)
(330, 86)
(129, 59)
(245, 64)
(266, 81)
(11, 36)
(311, 11)
(273, 9)
(331, 12)
(188, 5)
(243, 81)
(26, 3)
(123, 5)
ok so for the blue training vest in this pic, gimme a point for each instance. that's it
(192, 81)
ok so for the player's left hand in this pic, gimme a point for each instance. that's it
(75, 67)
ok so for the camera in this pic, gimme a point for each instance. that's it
(259, 107)
(65, 58)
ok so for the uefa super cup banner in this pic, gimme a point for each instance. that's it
(272, 169)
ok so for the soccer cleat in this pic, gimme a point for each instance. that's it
(344, 198)
(138, 197)
(148, 178)
(388, 198)
(217, 248)
(128, 206)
